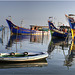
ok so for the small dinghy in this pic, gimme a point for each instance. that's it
(19, 57)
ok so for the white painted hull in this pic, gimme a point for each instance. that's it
(25, 58)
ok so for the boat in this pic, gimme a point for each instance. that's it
(71, 21)
(55, 32)
(22, 57)
(20, 30)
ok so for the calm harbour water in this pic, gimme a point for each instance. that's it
(56, 63)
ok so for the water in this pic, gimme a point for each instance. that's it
(59, 61)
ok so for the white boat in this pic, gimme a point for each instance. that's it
(19, 57)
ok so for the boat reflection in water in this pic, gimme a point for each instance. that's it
(1, 41)
(55, 42)
(14, 39)
(40, 63)
(70, 58)
(2, 34)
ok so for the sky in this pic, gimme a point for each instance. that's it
(35, 12)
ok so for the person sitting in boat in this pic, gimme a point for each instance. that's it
(66, 30)
(35, 28)
(32, 28)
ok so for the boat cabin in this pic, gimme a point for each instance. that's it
(39, 28)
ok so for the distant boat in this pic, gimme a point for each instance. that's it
(22, 57)
(20, 30)
(55, 32)
(71, 21)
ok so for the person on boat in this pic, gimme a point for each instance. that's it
(36, 28)
(32, 28)
(66, 30)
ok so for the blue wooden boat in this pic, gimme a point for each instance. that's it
(20, 30)
(71, 21)
(56, 32)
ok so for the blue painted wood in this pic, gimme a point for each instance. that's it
(56, 32)
(16, 29)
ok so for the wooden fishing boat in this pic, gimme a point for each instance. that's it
(20, 30)
(55, 31)
(20, 57)
(71, 21)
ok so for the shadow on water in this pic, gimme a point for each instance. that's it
(1, 40)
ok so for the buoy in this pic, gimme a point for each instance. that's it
(25, 53)
(12, 53)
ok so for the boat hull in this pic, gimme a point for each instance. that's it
(23, 31)
(28, 58)
(72, 25)
(56, 32)
(73, 33)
